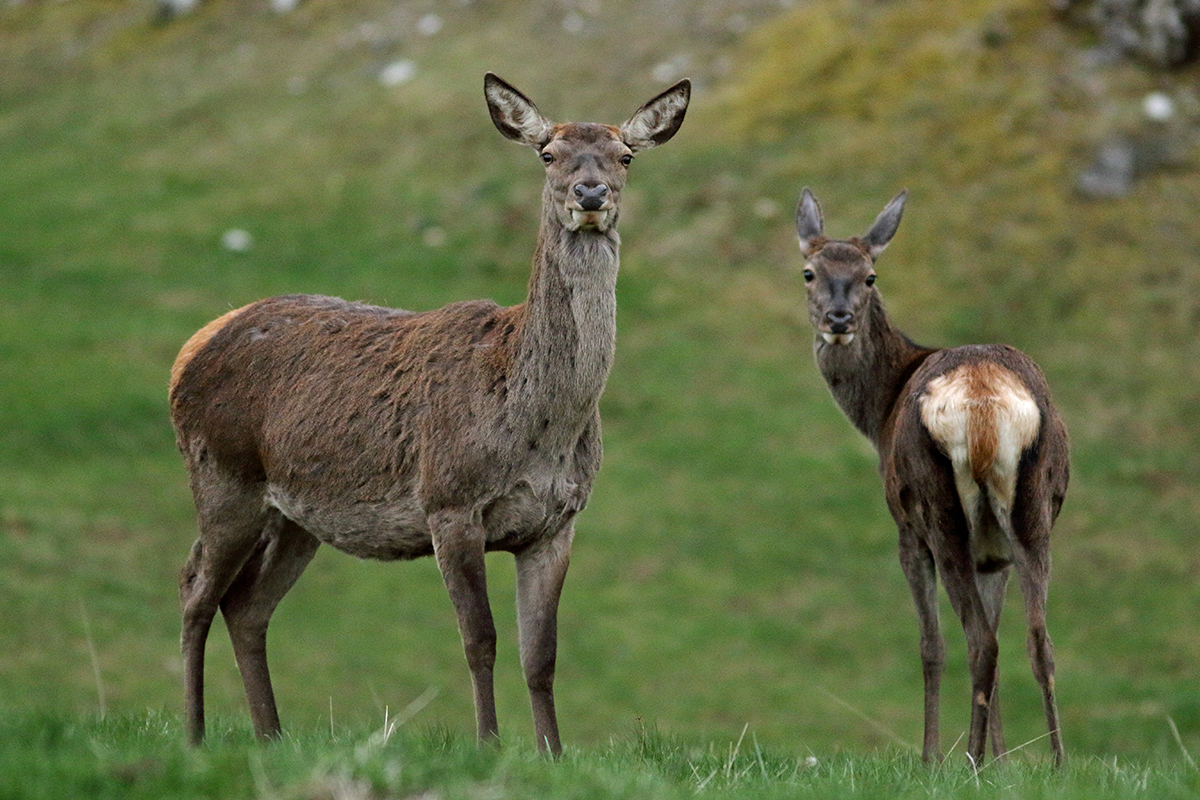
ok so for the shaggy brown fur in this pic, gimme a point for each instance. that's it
(392, 435)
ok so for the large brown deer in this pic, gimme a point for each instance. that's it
(392, 435)
(974, 462)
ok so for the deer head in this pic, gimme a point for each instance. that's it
(586, 163)
(839, 274)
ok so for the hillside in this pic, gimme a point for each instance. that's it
(736, 564)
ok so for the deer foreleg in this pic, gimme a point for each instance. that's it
(541, 570)
(458, 543)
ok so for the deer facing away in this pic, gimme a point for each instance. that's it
(973, 456)
(390, 434)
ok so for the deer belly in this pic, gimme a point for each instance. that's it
(386, 531)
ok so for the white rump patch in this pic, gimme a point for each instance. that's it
(983, 418)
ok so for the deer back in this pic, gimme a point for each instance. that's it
(359, 422)
(343, 403)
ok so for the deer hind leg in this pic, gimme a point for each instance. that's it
(918, 565)
(1032, 559)
(231, 521)
(991, 587)
(991, 556)
(954, 560)
(1041, 655)
(458, 546)
(283, 551)
(541, 570)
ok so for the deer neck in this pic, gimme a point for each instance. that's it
(867, 376)
(570, 330)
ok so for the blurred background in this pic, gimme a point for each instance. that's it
(163, 163)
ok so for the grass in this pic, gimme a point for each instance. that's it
(141, 756)
(736, 563)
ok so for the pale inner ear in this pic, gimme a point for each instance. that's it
(516, 117)
(885, 226)
(809, 222)
(657, 121)
(533, 128)
(639, 131)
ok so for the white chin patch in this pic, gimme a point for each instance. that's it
(589, 219)
(837, 338)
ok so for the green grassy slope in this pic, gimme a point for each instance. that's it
(736, 564)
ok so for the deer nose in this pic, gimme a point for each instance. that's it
(591, 198)
(839, 321)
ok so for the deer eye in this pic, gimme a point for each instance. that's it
(870, 281)
(809, 275)
(547, 159)
(626, 160)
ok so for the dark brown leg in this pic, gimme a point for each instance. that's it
(283, 553)
(458, 541)
(1033, 571)
(231, 522)
(958, 575)
(991, 586)
(1029, 535)
(918, 566)
(540, 573)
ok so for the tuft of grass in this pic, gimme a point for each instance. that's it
(141, 756)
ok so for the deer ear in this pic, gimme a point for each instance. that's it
(809, 222)
(885, 225)
(656, 122)
(514, 114)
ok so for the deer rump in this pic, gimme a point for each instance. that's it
(977, 405)
(260, 398)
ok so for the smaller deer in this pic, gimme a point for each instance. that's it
(392, 434)
(974, 462)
